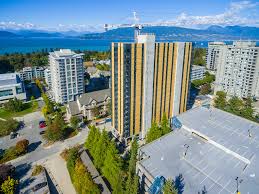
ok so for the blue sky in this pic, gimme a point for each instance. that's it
(83, 15)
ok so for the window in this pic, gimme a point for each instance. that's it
(19, 90)
(6, 93)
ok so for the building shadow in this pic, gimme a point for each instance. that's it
(179, 183)
(21, 170)
(33, 146)
(52, 186)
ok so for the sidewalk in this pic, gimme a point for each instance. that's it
(57, 166)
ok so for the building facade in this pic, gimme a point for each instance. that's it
(213, 55)
(11, 87)
(67, 75)
(31, 73)
(238, 70)
(197, 72)
(148, 80)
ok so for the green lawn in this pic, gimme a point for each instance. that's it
(6, 114)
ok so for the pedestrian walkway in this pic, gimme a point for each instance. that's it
(57, 166)
(97, 178)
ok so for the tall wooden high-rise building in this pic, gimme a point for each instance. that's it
(148, 80)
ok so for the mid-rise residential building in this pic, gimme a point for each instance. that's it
(206, 152)
(31, 73)
(47, 76)
(213, 55)
(238, 70)
(149, 79)
(67, 75)
(197, 72)
(11, 87)
(85, 103)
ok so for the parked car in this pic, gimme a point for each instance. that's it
(42, 132)
(13, 135)
(42, 124)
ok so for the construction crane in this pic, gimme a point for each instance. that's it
(136, 25)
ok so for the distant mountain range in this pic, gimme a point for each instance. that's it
(183, 34)
(212, 33)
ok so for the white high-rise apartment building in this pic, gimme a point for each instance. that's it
(213, 55)
(238, 70)
(67, 75)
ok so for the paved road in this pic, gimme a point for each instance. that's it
(42, 153)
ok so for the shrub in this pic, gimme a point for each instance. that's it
(8, 126)
(21, 146)
(37, 170)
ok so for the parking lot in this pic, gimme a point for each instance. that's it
(30, 131)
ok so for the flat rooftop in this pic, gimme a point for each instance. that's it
(64, 53)
(221, 148)
(9, 79)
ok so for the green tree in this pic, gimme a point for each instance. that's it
(165, 126)
(153, 133)
(112, 168)
(8, 186)
(235, 105)
(248, 111)
(169, 187)
(220, 100)
(205, 89)
(93, 137)
(74, 122)
(56, 130)
(14, 105)
(101, 149)
(132, 181)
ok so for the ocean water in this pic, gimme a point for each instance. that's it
(26, 45)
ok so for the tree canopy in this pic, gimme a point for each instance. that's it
(235, 105)
(156, 131)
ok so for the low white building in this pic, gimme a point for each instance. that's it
(197, 72)
(84, 105)
(30, 73)
(11, 87)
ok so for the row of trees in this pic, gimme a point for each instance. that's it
(79, 175)
(120, 173)
(156, 131)
(235, 105)
(16, 61)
